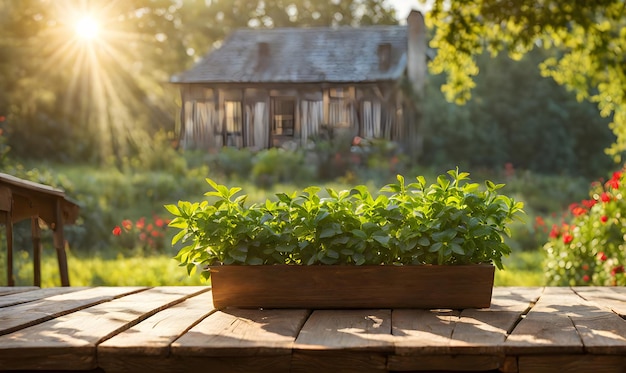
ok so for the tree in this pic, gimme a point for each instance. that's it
(588, 37)
(67, 97)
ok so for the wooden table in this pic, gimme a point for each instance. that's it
(22, 199)
(176, 329)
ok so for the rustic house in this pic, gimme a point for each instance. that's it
(263, 88)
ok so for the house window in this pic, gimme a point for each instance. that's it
(339, 110)
(234, 126)
(283, 114)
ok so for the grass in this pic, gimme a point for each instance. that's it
(100, 271)
(521, 269)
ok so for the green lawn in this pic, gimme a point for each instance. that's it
(521, 269)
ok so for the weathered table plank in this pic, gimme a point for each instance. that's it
(35, 294)
(27, 314)
(348, 340)
(176, 329)
(240, 340)
(6, 290)
(547, 328)
(611, 298)
(70, 340)
(471, 337)
(131, 350)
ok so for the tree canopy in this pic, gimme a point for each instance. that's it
(587, 40)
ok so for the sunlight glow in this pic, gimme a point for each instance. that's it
(87, 28)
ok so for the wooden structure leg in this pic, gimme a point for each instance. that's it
(59, 245)
(36, 234)
(9, 232)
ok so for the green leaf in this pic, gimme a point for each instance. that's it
(456, 248)
(435, 247)
(383, 240)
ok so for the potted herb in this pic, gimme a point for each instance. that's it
(409, 245)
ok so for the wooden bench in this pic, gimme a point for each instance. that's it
(22, 199)
(176, 329)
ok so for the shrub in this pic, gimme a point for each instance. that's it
(277, 165)
(448, 222)
(589, 248)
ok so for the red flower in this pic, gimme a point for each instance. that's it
(127, 224)
(140, 223)
(539, 222)
(604, 218)
(614, 182)
(159, 222)
(586, 278)
(155, 234)
(617, 269)
(554, 232)
(602, 256)
(577, 211)
(589, 203)
(2, 118)
(117, 230)
(567, 238)
(585, 267)
(605, 197)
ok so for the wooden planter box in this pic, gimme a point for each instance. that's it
(328, 286)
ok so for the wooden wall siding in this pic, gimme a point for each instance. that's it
(199, 127)
(241, 117)
(311, 116)
(371, 119)
(257, 133)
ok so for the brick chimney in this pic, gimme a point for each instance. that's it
(416, 52)
(263, 55)
(384, 56)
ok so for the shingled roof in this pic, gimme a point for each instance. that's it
(303, 55)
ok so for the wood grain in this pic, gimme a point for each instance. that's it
(23, 315)
(70, 340)
(242, 332)
(547, 328)
(36, 294)
(7, 290)
(341, 287)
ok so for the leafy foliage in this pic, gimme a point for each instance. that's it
(448, 222)
(588, 38)
(516, 116)
(589, 249)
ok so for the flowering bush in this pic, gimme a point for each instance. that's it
(590, 248)
(148, 236)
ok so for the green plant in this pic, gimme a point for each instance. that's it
(589, 248)
(448, 222)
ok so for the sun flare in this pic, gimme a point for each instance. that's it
(87, 28)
